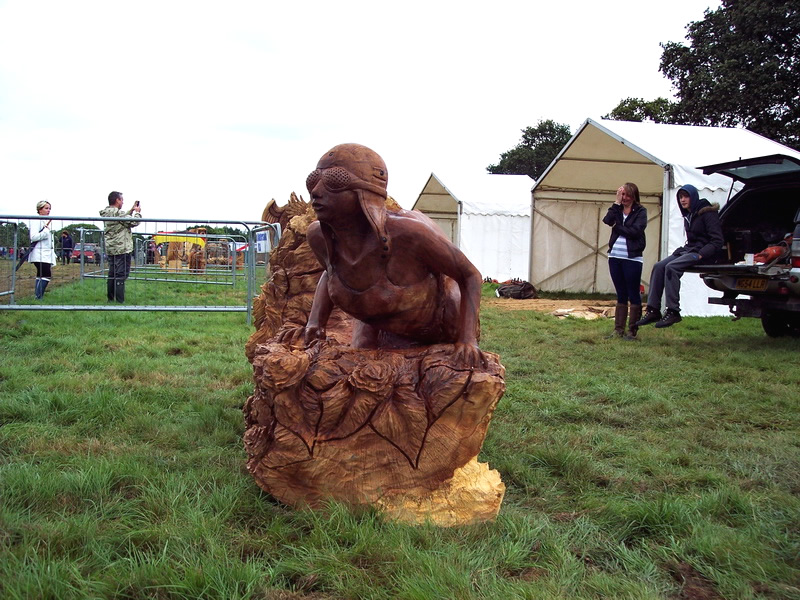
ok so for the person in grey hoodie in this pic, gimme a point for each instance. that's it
(703, 241)
(119, 244)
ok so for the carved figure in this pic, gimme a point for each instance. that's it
(197, 262)
(396, 273)
(374, 392)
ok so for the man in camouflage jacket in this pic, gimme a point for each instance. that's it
(119, 244)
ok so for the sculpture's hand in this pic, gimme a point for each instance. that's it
(312, 334)
(295, 336)
(470, 355)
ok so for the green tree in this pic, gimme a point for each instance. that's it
(537, 149)
(659, 110)
(7, 235)
(741, 67)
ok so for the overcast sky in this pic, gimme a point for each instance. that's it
(207, 110)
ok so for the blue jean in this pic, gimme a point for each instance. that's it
(667, 275)
(626, 275)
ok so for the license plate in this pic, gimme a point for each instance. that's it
(751, 283)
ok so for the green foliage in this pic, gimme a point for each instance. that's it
(738, 69)
(7, 234)
(664, 468)
(741, 68)
(224, 230)
(537, 149)
(659, 110)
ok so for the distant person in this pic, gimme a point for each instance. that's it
(43, 254)
(66, 247)
(151, 252)
(119, 244)
(703, 241)
(627, 219)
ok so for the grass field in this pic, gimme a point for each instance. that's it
(665, 468)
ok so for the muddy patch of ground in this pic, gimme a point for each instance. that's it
(26, 278)
(586, 309)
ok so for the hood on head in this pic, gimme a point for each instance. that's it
(694, 198)
(369, 167)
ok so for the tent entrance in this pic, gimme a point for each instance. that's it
(569, 245)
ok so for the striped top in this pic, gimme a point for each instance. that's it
(620, 247)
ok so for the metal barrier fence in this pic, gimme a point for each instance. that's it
(176, 265)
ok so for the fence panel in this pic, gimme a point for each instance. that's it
(176, 265)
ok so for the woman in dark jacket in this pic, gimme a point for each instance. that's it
(627, 219)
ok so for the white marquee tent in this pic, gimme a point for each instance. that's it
(487, 216)
(569, 241)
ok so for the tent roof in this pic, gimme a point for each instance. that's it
(692, 145)
(637, 144)
(483, 193)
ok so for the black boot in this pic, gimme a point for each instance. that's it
(651, 316)
(110, 290)
(119, 291)
(37, 290)
(671, 317)
(620, 316)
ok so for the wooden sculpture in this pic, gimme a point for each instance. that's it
(370, 387)
(197, 252)
(175, 256)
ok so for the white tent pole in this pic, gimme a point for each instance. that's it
(665, 211)
(458, 223)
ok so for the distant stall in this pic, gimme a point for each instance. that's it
(487, 216)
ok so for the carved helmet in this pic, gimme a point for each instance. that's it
(356, 167)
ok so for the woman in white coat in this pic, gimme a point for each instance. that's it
(43, 255)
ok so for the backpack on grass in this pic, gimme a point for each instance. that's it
(518, 289)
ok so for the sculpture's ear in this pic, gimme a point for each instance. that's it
(374, 207)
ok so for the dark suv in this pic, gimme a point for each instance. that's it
(754, 281)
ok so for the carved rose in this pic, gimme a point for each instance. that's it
(373, 376)
(282, 369)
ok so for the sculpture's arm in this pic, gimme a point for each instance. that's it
(320, 311)
(442, 256)
(322, 306)
(469, 283)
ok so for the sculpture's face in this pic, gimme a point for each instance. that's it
(349, 178)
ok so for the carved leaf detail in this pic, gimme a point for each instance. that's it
(345, 411)
(403, 421)
(295, 416)
(286, 449)
(440, 386)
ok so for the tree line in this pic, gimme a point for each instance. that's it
(740, 67)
